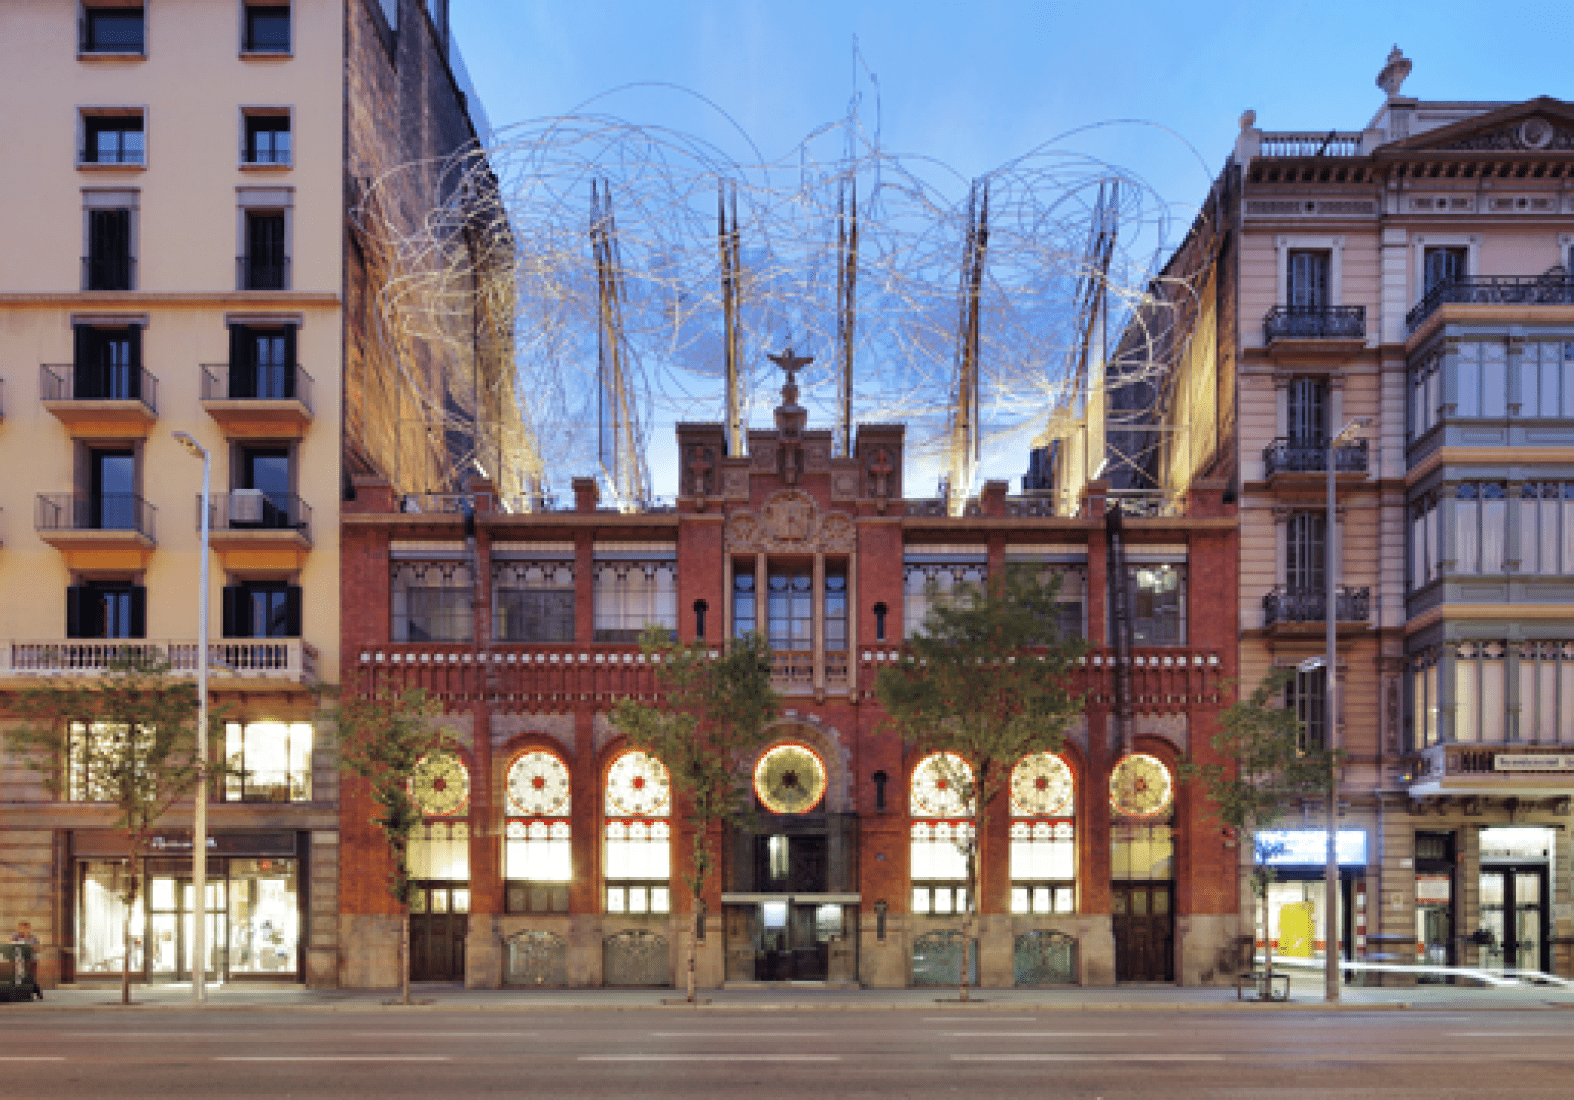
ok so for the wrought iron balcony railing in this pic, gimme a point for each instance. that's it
(1310, 456)
(1534, 290)
(1314, 323)
(95, 512)
(1310, 605)
(66, 382)
(254, 510)
(263, 382)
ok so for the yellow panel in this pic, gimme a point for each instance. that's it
(106, 557)
(261, 557)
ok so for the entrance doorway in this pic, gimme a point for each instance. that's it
(439, 923)
(784, 940)
(1513, 917)
(1144, 926)
(172, 933)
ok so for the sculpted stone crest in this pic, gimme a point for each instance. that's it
(789, 517)
(790, 521)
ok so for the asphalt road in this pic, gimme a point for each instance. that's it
(427, 1052)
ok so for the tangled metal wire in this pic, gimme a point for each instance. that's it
(653, 199)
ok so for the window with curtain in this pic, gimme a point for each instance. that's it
(1306, 696)
(635, 586)
(1043, 836)
(1425, 542)
(1480, 526)
(1424, 704)
(1306, 408)
(637, 810)
(1481, 379)
(1546, 692)
(1479, 703)
(1444, 265)
(268, 761)
(1307, 277)
(1546, 527)
(533, 601)
(1158, 603)
(431, 601)
(538, 858)
(1426, 395)
(941, 807)
(938, 576)
(1546, 380)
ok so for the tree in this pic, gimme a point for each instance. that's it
(1269, 770)
(127, 740)
(715, 704)
(383, 737)
(985, 684)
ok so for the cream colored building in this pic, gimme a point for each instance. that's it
(175, 261)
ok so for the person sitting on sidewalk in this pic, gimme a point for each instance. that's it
(24, 936)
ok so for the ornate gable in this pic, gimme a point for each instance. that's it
(1540, 125)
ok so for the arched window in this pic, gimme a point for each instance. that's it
(638, 808)
(1043, 836)
(439, 854)
(538, 860)
(942, 833)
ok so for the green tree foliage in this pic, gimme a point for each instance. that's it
(127, 740)
(714, 706)
(383, 736)
(1268, 770)
(987, 683)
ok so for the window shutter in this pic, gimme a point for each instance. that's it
(74, 612)
(292, 611)
(81, 367)
(234, 613)
(139, 611)
(134, 363)
(289, 361)
(243, 375)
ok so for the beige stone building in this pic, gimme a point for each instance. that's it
(178, 258)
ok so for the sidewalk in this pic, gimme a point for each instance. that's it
(1306, 994)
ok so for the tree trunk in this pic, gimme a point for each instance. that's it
(1267, 941)
(125, 954)
(967, 915)
(694, 941)
(404, 955)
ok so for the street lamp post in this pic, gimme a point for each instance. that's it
(199, 822)
(1332, 940)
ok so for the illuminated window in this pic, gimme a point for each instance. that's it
(100, 758)
(941, 801)
(636, 585)
(538, 858)
(1043, 836)
(440, 846)
(431, 602)
(533, 601)
(938, 575)
(268, 762)
(637, 809)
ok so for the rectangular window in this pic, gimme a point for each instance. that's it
(112, 139)
(789, 608)
(1444, 266)
(266, 264)
(1426, 395)
(1306, 411)
(1546, 381)
(1423, 699)
(1141, 852)
(264, 916)
(106, 609)
(431, 602)
(1308, 283)
(533, 601)
(743, 604)
(1158, 604)
(262, 363)
(268, 761)
(1480, 526)
(938, 575)
(1307, 697)
(1425, 520)
(108, 265)
(1479, 703)
(114, 29)
(1546, 692)
(267, 28)
(1043, 866)
(834, 611)
(106, 363)
(938, 866)
(1305, 552)
(99, 755)
(636, 586)
(267, 138)
(1546, 527)
(112, 502)
(638, 866)
(262, 610)
(440, 850)
(538, 864)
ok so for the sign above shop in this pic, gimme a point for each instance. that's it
(1309, 847)
(1533, 762)
(177, 842)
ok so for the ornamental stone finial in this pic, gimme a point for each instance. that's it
(1394, 73)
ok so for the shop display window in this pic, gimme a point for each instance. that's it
(268, 761)
(264, 916)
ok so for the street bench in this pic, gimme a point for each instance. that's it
(1278, 989)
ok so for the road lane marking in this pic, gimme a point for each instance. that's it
(1510, 1034)
(742, 1034)
(334, 1058)
(1087, 1057)
(980, 1019)
(32, 1057)
(710, 1057)
(1043, 1034)
(444, 1034)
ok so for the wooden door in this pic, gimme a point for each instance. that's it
(1144, 927)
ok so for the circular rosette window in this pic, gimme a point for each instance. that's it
(538, 786)
(790, 779)
(440, 785)
(1041, 787)
(942, 783)
(638, 786)
(1140, 786)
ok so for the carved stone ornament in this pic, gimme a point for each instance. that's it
(818, 457)
(790, 522)
(1533, 133)
(735, 484)
(844, 485)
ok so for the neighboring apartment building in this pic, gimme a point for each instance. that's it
(1414, 274)
(553, 854)
(175, 261)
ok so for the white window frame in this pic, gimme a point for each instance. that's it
(1298, 242)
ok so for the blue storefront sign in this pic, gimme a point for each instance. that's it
(1309, 847)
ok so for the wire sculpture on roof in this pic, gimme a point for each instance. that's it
(647, 274)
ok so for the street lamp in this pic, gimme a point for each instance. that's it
(199, 823)
(1331, 937)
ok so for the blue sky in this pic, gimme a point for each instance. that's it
(978, 84)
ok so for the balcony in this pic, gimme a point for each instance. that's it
(109, 273)
(255, 274)
(107, 531)
(1311, 143)
(250, 529)
(1504, 770)
(258, 401)
(1285, 606)
(257, 662)
(1302, 456)
(120, 401)
(1553, 289)
(1322, 324)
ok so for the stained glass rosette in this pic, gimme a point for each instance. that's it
(440, 785)
(940, 784)
(638, 786)
(538, 786)
(1140, 786)
(790, 779)
(1041, 786)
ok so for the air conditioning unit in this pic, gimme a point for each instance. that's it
(246, 506)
